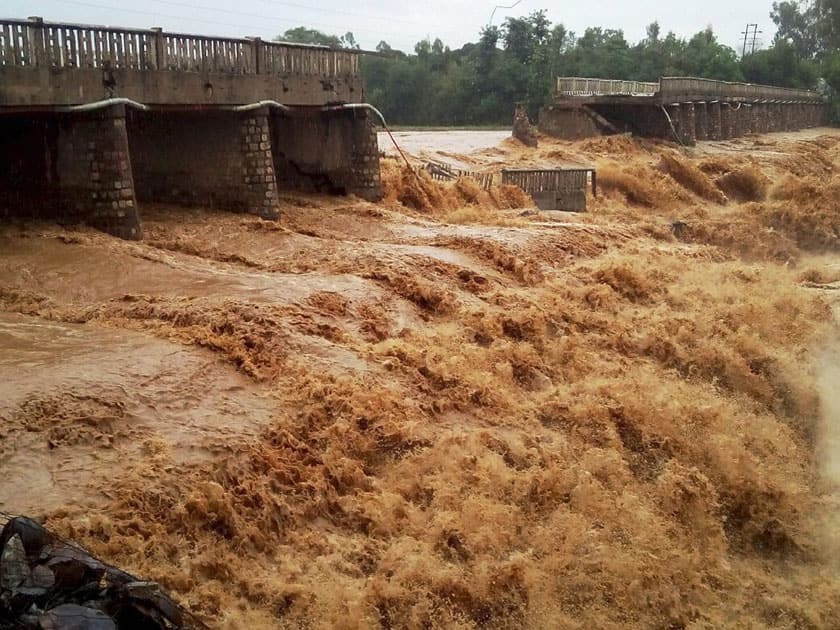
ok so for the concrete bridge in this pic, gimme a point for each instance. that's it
(683, 108)
(98, 120)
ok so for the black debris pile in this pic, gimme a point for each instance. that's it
(47, 583)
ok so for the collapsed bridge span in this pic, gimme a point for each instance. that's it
(685, 109)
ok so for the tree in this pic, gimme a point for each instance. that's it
(780, 65)
(303, 35)
(706, 57)
(348, 40)
(480, 82)
(795, 28)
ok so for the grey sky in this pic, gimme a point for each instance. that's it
(400, 23)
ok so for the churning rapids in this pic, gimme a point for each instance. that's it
(449, 409)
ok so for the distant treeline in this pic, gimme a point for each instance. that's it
(479, 83)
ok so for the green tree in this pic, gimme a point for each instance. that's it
(780, 65)
(705, 56)
(303, 35)
(480, 82)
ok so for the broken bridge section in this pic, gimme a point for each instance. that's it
(97, 121)
(684, 109)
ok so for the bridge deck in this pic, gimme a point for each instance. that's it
(49, 64)
(674, 90)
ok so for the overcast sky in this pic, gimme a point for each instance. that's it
(400, 23)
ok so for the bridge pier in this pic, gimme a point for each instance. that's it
(95, 171)
(759, 112)
(726, 126)
(715, 121)
(736, 120)
(688, 124)
(747, 119)
(684, 123)
(73, 167)
(778, 117)
(701, 116)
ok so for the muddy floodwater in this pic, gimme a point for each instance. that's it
(455, 141)
(449, 409)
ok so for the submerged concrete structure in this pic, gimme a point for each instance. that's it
(96, 121)
(684, 109)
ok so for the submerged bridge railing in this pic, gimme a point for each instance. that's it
(677, 88)
(550, 180)
(35, 43)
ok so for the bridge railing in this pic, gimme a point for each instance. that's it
(547, 180)
(682, 86)
(35, 43)
(579, 86)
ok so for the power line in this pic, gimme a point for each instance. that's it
(500, 6)
(338, 12)
(192, 18)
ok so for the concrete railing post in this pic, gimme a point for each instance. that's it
(256, 53)
(158, 49)
(37, 48)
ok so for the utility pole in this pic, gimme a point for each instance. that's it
(752, 29)
(755, 33)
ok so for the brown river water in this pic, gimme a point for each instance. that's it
(449, 409)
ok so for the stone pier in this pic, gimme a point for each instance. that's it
(726, 123)
(94, 171)
(327, 151)
(70, 167)
(715, 121)
(701, 114)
